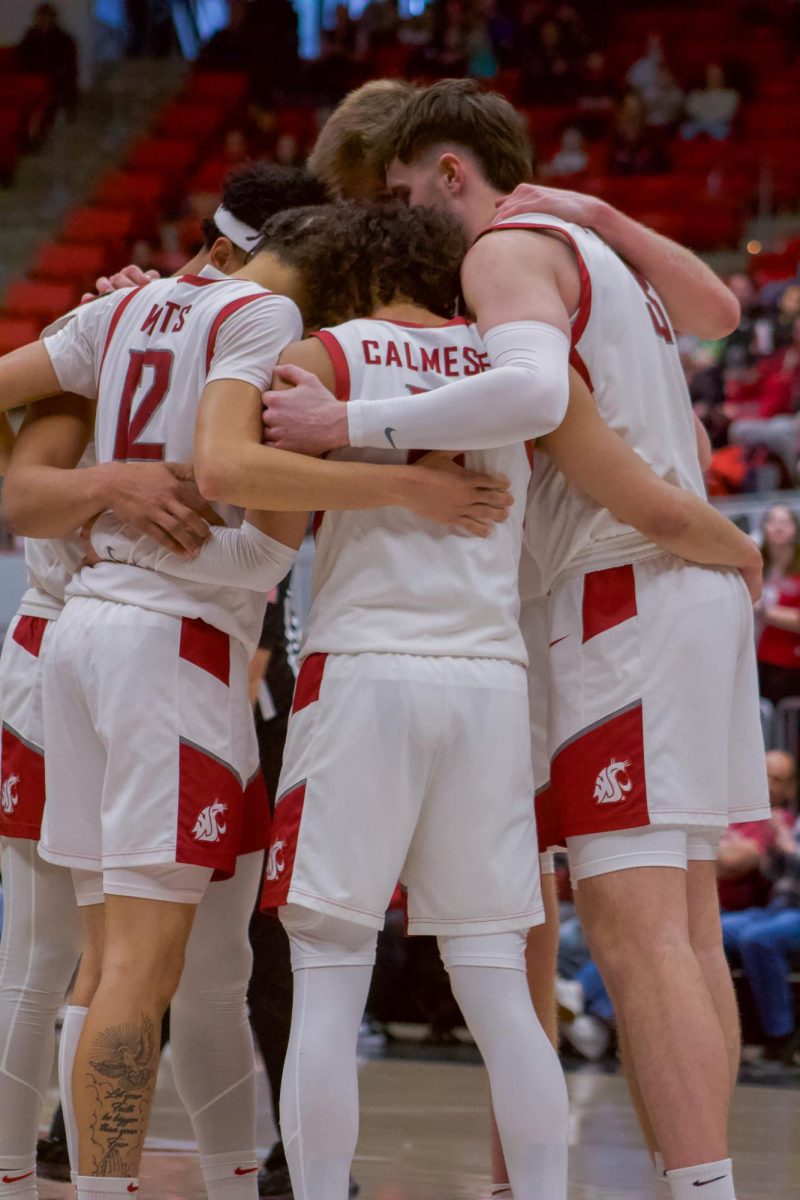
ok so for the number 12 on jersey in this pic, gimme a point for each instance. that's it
(131, 425)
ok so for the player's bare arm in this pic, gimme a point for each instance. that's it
(521, 289)
(43, 496)
(596, 459)
(697, 300)
(233, 466)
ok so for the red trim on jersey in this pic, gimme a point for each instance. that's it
(196, 280)
(548, 825)
(210, 808)
(226, 311)
(207, 647)
(309, 682)
(598, 779)
(316, 521)
(283, 847)
(256, 816)
(420, 325)
(22, 785)
(530, 448)
(580, 366)
(115, 320)
(585, 303)
(609, 598)
(28, 633)
(341, 368)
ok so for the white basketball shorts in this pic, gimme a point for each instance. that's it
(654, 716)
(151, 749)
(534, 626)
(399, 766)
(22, 736)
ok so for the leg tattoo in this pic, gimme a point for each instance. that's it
(124, 1061)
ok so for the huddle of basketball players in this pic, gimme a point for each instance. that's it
(408, 430)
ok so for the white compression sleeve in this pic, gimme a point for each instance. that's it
(523, 396)
(243, 557)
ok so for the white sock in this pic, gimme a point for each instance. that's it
(99, 1187)
(230, 1176)
(716, 1180)
(74, 1020)
(18, 1177)
(659, 1168)
(529, 1093)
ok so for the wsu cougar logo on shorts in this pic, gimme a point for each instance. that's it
(9, 798)
(275, 863)
(207, 827)
(612, 783)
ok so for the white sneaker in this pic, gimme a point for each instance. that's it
(588, 1035)
(569, 995)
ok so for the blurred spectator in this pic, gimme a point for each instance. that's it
(785, 322)
(779, 608)
(742, 862)
(47, 49)
(288, 151)
(596, 95)
(343, 51)
(635, 149)
(549, 67)
(646, 71)
(150, 27)
(663, 101)
(711, 109)
(764, 939)
(571, 158)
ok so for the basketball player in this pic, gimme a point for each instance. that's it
(151, 898)
(651, 685)
(40, 944)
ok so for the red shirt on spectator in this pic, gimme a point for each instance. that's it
(781, 647)
(753, 889)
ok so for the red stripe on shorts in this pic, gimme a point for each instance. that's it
(207, 647)
(210, 811)
(21, 786)
(283, 847)
(28, 632)
(256, 817)
(309, 681)
(598, 778)
(609, 598)
(548, 824)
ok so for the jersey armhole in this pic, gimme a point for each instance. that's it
(341, 369)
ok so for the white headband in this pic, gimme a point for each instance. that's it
(243, 236)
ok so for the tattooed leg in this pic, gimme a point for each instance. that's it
(116, 1063)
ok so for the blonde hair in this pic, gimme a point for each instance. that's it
(344, 156)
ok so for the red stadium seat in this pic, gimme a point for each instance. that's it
(67, 263)
(299, 122)
(46, 301)
(121, 189)
(23, 90)
(171, 158)
(16, 332)
(198, 121)
(227, 88)
(111, 227)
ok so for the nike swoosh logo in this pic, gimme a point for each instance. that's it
(16, 1178)
(706, 1182)
(245, 1170)
(561, 639)
(388, 431)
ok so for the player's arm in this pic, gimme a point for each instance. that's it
(596, 459)
(43, 496)
(514, 284)
(697, 300)
(27, 375)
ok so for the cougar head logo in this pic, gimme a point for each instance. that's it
(208, 827)
(612, 783)
(275, 861)
(8, 797)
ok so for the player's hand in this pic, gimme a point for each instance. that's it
(465, 500)
(556, 202)
(162, 501)
(305, 416)
(128, 277)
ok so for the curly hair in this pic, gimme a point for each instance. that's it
(458, 112)
(255, 191)
(354, 258)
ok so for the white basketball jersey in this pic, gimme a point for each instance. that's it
(146, 354)
(624, 347)
(386, 580)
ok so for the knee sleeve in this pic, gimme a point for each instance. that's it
(319, 940)
(484, 950)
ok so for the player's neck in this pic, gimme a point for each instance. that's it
(482, 209)
(410, 313)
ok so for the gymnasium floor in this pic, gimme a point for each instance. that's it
(423, 1137)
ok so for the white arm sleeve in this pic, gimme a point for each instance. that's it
(243, 557)
(523, 396)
